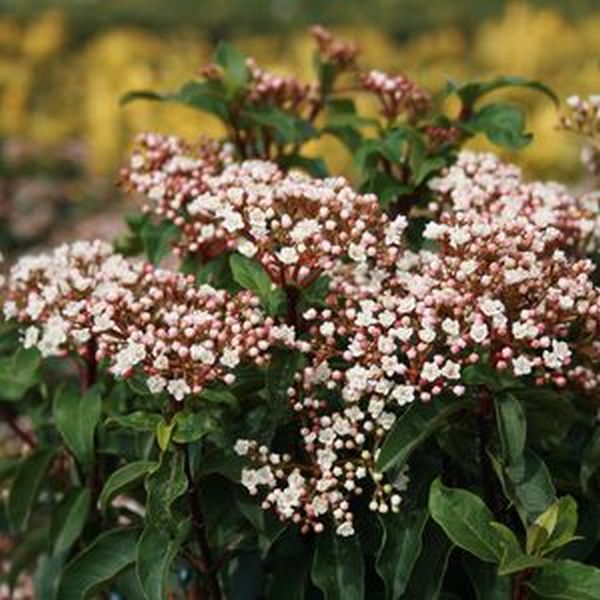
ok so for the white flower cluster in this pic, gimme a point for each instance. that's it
(496, 191)
(296, 226)
(86, 299)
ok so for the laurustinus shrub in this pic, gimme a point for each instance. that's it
(285, 382)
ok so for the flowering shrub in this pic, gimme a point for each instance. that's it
(390, 384)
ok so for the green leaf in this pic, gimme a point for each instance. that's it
(164, 486)
(164, 432)
(513, 558)
(400, 548)
(76, 417)
(138, 421)
(590, 461)
(69, 519)
(157, 239)
(282, 368)
(98, 564)
(25, 554)
(486, 582)
(466, 520)
(512, 428)
(155, 553)
(26, 487)
(123, 478)
(529, 485)
(554, 528)
(234, 66)
(418, 423)
(191, 427)
(206, 96)
(428, 573)
(483, 374)
(502, 124)
(18, 373)
(472, 91)
(251, 276)
(338, 569)
(567, 580)
(287, 127)
(219, 396)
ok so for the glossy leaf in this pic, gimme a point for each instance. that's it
(416, 425)
(98, 564)
(157, 240)
(234, 66)
(164, 486)
(567, 580)
(502, 124)
(512, 427)
(400, 548)
(137, 421)
(122, 479)
(18, 373)
(191, 427)
(68, 520)
(26, 487)
(251, 276)
(76, 417)
(155, 553)
(338, 569)
(466, 520)
(590, 461)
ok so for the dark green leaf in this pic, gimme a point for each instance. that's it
(123, 478)
(155, 553)
(157, 239)
(466, 520)
(164, 485)
(204, 96)
(18, 373)
(502, 124)
(191, 427)
(76, 417)
(530, 486)
(412, 429)
(282, 368)
(567, 580)
(69, 519)
(138, 421)
(99, 563)
(234, 66)
(26, 487)
(338, 569)
(400, 547)
(428, 573)
(512, 428)
(590, 461)
(251, 276)
(472, 91)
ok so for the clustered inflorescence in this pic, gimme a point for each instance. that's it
(502, 284)
(85, 299)
(583, 119)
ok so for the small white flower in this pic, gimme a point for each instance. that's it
(522, 365)
(288, 256)
(178, 388)
(241, 447)
(346, 529)
(430, 371)
(479, 332)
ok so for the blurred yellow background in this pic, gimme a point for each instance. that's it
(55, 88)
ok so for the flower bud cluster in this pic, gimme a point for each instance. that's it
(335, 467)
(583, 119)
(66, 297)
(287, 93)
(83, 297)
(168, 172)
(297, 227)
(333, 50)
(501, 294)
(481, 183)
(397, 94)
